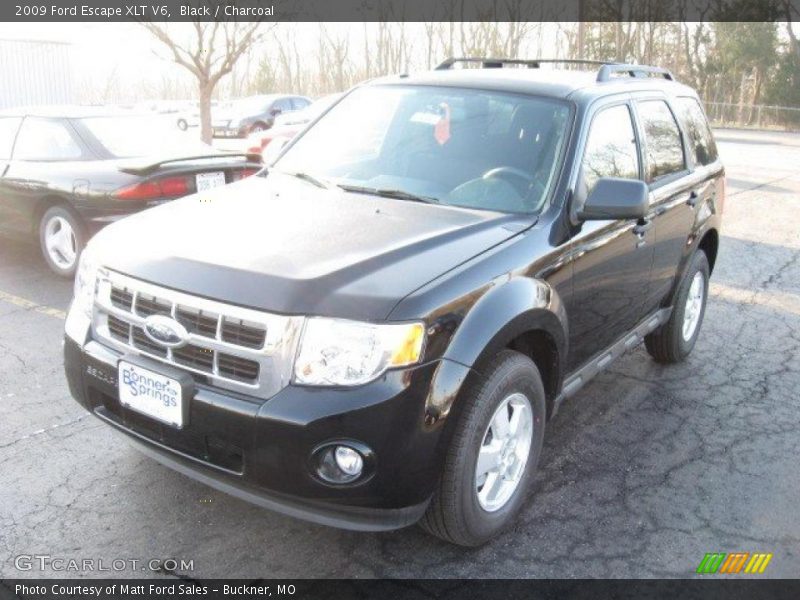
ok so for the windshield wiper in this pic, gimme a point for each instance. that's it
(307, 177)
(388, 193)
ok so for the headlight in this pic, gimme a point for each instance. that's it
(85, 281)
(339, 352)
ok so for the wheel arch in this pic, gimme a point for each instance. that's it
(709, 244)
(47, 202)
(523, 314)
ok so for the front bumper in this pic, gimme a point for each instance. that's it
(261, 451)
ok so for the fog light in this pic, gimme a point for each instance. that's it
(349, 461)
(342, 463)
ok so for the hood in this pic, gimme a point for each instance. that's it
(280, 244)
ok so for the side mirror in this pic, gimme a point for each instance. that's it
(272, 150)
(614, 198)
(275, 111)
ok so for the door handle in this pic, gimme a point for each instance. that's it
(693, 198)
(642, 227)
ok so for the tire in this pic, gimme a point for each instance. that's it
(457, 513)
(675, 339)
(183, 125)
(62, 238)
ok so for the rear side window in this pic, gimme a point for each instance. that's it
(701, 141)
(8, 131)
(662, 140)
(45, 139)
(611, 147)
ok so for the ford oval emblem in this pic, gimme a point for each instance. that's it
(165, 331)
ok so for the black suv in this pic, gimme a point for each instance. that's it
(376, 329)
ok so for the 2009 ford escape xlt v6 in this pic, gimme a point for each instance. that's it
(376, 329)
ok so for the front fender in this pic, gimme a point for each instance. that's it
(511, 307)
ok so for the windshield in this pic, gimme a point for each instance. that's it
(473, 148)
(126, 136)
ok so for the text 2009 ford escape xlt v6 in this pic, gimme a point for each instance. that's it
(376, 329)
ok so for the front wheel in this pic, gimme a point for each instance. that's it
(61, 238)
(673, 341)
(493, 454)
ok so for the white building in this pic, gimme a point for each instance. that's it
(34, 72)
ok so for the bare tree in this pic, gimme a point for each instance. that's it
(209, 55)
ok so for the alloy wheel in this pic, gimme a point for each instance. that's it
(59, 239)
(504, 452)
(694, 306)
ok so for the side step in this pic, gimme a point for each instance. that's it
(602, 360)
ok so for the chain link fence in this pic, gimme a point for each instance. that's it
(756, 116)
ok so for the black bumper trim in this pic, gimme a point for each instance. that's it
(343, 517)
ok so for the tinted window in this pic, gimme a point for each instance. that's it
(285, 104)
(662, 139)
(701, 141)
(611, 147)
(473, 148)
(8, 130)
(298, 103)
(45, 139)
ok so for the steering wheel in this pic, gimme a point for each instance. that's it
(503, 172)
(531, 190)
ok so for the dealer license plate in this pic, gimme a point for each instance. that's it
(206, 181)
(150, 393)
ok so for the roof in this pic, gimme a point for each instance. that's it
(555, 83)
(68, 111)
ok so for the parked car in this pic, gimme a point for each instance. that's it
(67, 171)
(185, 113)
(254, 113)
(377, 329)
(290, 124)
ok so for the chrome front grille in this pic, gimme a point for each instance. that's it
(232, 347)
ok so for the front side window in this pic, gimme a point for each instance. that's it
(662, 140)
(46, 139)
(473, 148)
(701, 140)
(299, 103)
(8, 131)
(283, 105)
(611, 147)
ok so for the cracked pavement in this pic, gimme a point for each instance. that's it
(643, 472)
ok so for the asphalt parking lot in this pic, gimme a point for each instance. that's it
(645, 471)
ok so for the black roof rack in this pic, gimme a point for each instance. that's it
(498, 63)
(607, 68)
(607, 72)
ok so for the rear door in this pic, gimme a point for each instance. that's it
(612, 259)
(8, 132)
(673, 192)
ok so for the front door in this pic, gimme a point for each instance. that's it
(612, 260)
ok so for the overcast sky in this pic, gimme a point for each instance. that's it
(130, 57)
